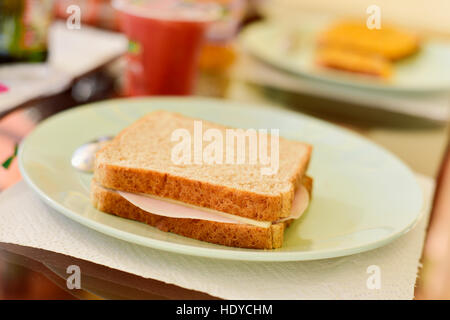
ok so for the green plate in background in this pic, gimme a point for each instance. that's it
(291, 48)
(363, 197)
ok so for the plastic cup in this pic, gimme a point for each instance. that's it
(165, 38)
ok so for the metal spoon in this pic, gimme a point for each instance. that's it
(84, 156)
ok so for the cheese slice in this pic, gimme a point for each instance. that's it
(177, 209)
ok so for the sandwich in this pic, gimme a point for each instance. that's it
(227, 199)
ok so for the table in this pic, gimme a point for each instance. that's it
(422, 144)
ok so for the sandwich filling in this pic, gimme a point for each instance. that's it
(176, 209)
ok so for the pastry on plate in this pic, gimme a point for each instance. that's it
(389, 42)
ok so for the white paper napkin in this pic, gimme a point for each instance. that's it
(25, 220)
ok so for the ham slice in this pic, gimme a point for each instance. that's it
(299, 205)
(175, 209)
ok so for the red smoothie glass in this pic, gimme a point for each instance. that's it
(165, 38)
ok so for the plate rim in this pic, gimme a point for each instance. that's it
(241, 254)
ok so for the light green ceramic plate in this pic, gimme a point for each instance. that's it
(291, 48)
(363, 196)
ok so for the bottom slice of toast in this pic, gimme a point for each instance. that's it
(228, 234)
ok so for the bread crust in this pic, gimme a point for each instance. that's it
(203, 194)
(227, 234)
(244, 203)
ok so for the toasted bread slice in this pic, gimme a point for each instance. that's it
(139, 160)
(389, 42)
(233, 235)
(354, 61)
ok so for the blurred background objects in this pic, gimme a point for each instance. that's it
(168, 47)
(23, 30)
(421, 15)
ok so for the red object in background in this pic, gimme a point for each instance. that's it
(3, 88)
(12, 129)
(163, 53)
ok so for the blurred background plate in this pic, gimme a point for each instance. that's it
(363, 197)
(291, 48)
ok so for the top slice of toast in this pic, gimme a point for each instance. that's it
(140, 160)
